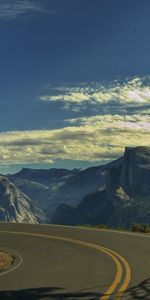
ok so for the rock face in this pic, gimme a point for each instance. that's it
(135, 171)
(16, 206)
(125, 198)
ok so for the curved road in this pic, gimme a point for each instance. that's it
(60, 262)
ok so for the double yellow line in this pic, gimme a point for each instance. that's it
(119, 261)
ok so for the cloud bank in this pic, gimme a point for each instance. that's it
(94, 139)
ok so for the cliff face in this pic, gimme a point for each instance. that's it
(135, 170)
(16, 206)
(125, 199)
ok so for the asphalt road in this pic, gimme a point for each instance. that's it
(58, 262)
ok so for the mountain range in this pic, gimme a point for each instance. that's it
(116, 194)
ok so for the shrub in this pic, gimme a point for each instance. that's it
(141, 228)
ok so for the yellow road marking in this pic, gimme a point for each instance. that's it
(127, 276)
(126, 264)
(114, 255)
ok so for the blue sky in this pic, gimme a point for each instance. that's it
(74, 81)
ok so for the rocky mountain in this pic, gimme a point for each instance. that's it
(15, 206)
(50, 188)
(43, 186)
(124, 198)
(117, 194)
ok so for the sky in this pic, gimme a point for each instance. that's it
(74, 81)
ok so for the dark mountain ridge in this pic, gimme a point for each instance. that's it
(58, 186)
(124, 200)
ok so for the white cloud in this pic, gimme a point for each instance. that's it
(135, 92)
(12, 9)
(135, 121)
(98, 138)
(77, 97)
